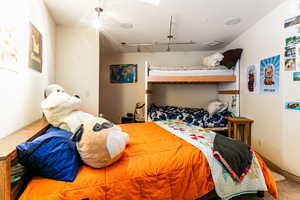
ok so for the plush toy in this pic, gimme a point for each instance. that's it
(62, 110)
(99, 142)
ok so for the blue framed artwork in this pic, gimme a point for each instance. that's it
(123, 73)
(269, 75)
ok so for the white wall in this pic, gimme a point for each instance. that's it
(118, 99)
(275, 131)
(22, 90)
(77, 64)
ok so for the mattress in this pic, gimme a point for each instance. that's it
(156, 165)
(202, 72)
(182, 68)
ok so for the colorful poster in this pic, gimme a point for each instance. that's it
(9, 49)
(296, 76)
(290, 64)
(293, 105)
(251, 79)
(291, 53)
(292, 21)
(298, 55)
(269, 75)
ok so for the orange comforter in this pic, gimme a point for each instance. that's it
(156, 165)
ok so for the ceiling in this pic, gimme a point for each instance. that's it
(202, 21)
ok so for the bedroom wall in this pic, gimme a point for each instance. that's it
(275, 131)
(77, 64)
(22, 88)
(125, 96)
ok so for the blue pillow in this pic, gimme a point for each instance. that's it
(52, 155)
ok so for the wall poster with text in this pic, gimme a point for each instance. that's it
(270, 75)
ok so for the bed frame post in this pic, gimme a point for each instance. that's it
(5, 179)
(230, 92)
(146, 90)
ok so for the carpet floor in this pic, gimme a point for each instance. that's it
(288, 190)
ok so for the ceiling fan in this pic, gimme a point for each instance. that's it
(170, 37)
(100, 17)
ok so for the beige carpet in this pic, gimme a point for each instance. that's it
(277, 176)
(287, 189)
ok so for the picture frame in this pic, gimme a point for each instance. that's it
(35, 49)
(123, 73)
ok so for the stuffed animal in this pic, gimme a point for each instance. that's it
(62, 110)
(99, 142)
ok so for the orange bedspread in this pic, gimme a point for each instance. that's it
(156, 165)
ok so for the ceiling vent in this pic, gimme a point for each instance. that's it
(214, 43)
(233, 21)
(126, 25)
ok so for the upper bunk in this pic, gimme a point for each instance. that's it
(188, 74)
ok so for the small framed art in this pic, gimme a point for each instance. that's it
(126, 73)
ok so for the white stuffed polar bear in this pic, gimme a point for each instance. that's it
(99, 142)
(62, 110)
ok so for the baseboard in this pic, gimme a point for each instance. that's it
(277, 169)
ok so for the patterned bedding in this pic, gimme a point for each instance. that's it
(225, 186)
(193, 116)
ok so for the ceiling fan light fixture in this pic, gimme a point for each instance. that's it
(97, 22)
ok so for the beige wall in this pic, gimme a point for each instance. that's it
(118, 99)
(22, 89)
(77, 64)
(275, 131)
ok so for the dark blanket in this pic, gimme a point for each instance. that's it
(235, 156)
(193, 116)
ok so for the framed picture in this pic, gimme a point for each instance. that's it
(123, 73)
(35, 49)
(9, 47)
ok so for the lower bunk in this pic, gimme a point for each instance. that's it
(156, 165)
(212, 117)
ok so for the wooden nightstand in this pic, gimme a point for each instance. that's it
(240, 128)
(127, 120)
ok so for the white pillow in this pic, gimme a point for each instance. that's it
(216, 106)
(213, 60)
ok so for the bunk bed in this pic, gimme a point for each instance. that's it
(227, 81)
